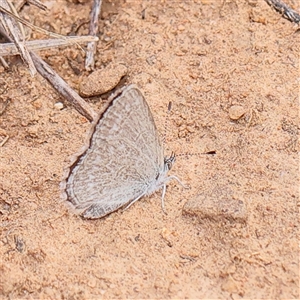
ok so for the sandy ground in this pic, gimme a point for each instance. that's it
(231, 70)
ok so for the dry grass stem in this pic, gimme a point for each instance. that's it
(10, 48)
(91, 47)
(10, 25)
(285, 10)
(63, 88)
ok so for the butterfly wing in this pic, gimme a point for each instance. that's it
(123, 158)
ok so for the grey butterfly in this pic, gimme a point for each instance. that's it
(122, 162)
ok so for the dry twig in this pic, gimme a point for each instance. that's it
(10, 48)
(3, 106)
(285, 10)
(91, 47)
(13, 29)
(11, 33)
(63, 88)
(4, 141)
(24, 22)
(37, 4)
(4, 63)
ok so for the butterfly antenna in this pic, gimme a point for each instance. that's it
(187, 154)
(167, 122)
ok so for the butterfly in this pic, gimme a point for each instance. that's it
(122, 162)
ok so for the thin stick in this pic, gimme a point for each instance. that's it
(4, 106)
(5, 37)
(4, 34)
(91, 47)
(11, 26)
(36, 3)
(63, 88)
(60, 85)
(33, 27)
(4, 141)
(285, 10)
(10, 48)
(15, 12)
(4, 63)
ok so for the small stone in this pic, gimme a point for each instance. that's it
(230, 286)
(218, 205)
(33, 131)
(37, 104)
(102, 81)
(236, 112)
(151, 60)
(166, 235)
(58, 106)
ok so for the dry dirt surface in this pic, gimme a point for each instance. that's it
(231, 71)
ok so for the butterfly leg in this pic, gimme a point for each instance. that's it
(134, 200)
(178, 180)
(165, 188)
(163, 198)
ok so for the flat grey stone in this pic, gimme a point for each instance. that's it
(218, 205)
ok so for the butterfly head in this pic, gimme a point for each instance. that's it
(169, 161)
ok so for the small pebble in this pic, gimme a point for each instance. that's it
(236, 112)
(102, 81)
(58, 106)
(230, 285)
(218, 205)
(37, 104)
